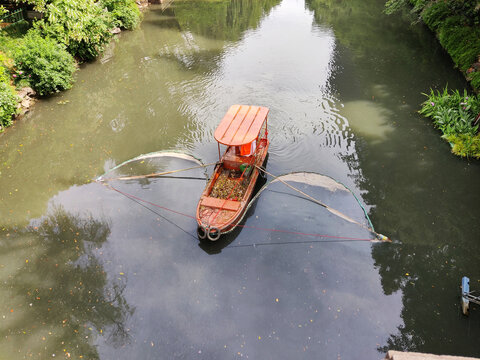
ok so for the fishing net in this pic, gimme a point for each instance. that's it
(300, 203)
(151, 164)
(309, 204)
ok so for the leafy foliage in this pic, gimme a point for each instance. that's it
(125, 12)
(81, 25)
(457, 24)
(8, 98)
(4, 76)
(454, 114)
(39, 5)
(48, 64)
(392, 6)
(42, 57)
(17, 30)
(3, 11)
(435, 15)
(8, 104)
(475, 79)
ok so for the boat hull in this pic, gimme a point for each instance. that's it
(217, 215)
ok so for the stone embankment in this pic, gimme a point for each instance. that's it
(26, 100)
(398, 355)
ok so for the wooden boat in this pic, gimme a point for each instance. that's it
(243, 130)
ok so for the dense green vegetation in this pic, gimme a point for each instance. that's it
(455, 114)
(8, 104)
(457, 25)
(49, 65)
(43, 54)
(82, 26)
(124, 12)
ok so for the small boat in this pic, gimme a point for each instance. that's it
(243, 130)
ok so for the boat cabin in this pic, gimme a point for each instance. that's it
(243, 130)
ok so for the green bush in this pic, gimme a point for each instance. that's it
(17, 30)
(475, 79)
(49, 66)
(125, 12)
(457, 25)
(434, 14)
(466, 146)
(4, 73)
(461, 42)
(8, 104)
(82, 25)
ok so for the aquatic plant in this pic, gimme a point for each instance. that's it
(455, 114)
(465, 146)
(46, 62)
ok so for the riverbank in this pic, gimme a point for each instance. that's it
(38, 57)
(456, 25)
(166, 88)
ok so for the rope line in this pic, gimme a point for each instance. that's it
(157, 174)
(306, 234)
(337, 238)
(104, 181)
(293, 242)
(151, 155)
(333, 211)
(131, 196)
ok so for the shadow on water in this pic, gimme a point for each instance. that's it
(422, 194)
(342, 81)
(215, 247)
(431, 291)
(127, 180)
(63, 297)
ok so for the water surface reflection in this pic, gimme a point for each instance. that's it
(342, 81)
(59, 296)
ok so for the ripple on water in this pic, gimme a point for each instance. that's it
(318, 118)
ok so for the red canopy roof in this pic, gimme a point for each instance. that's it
(241, 124)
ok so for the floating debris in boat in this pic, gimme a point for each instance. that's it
(229, 186)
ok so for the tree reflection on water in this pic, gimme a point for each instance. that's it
(432, 320)
(64, 295)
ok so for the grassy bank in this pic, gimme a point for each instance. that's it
(44, 54)
(456, 24)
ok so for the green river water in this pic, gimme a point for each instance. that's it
(86, 273)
